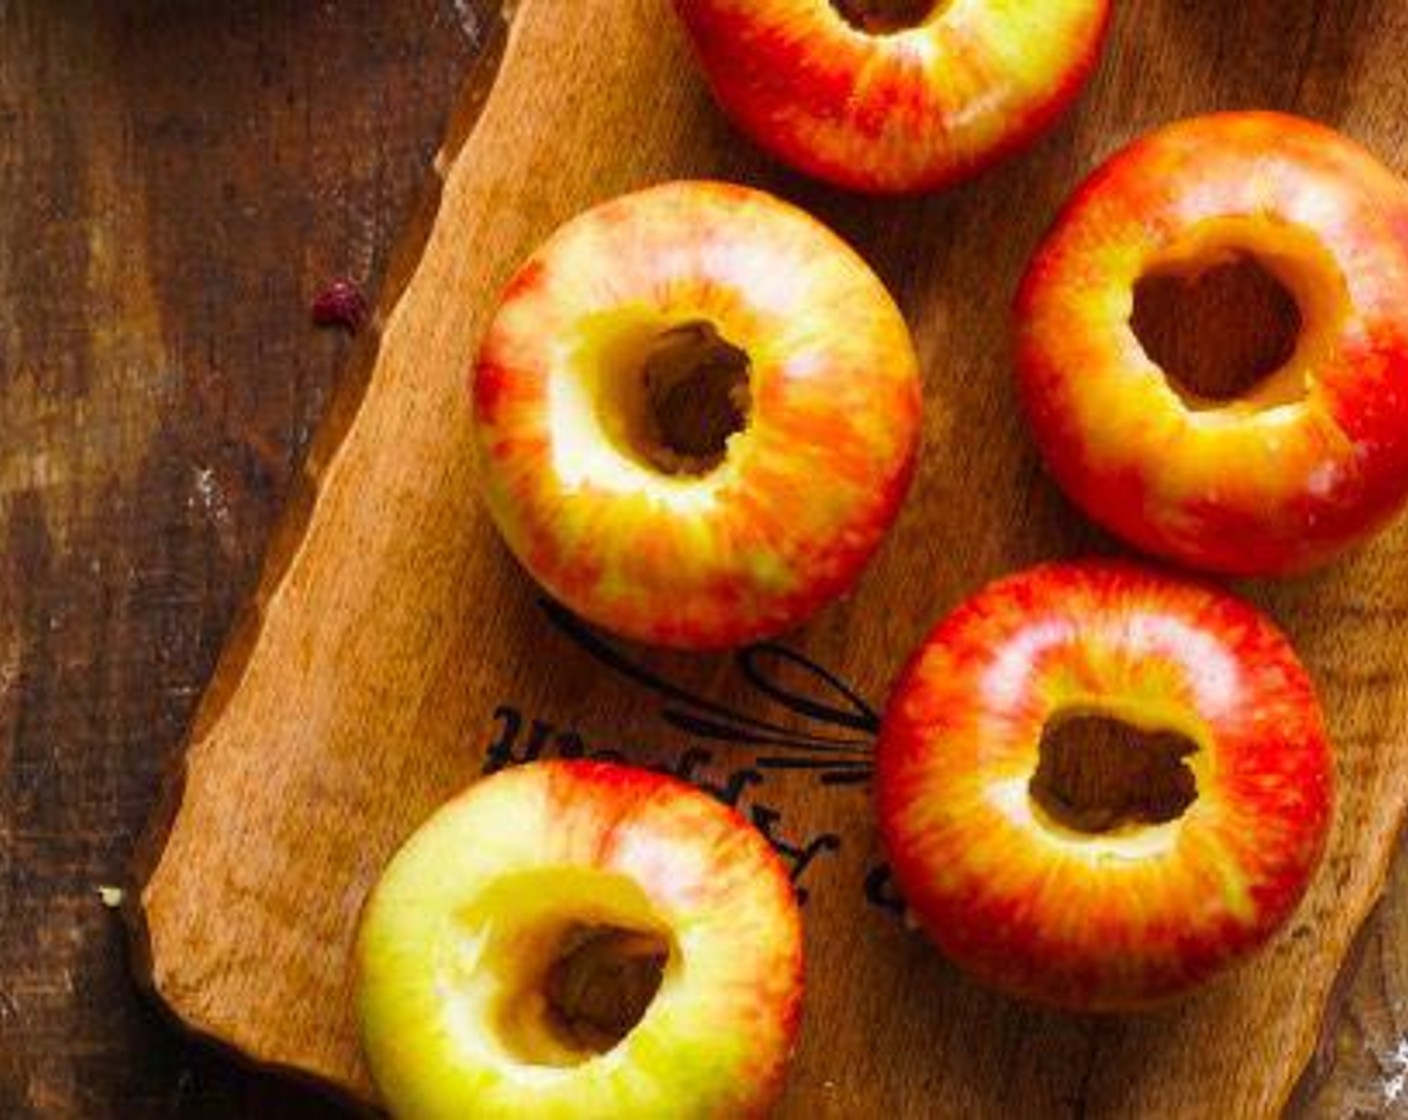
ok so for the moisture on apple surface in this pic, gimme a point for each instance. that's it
(891, 96)
(581, 941)
(1309, 460)
(696, 412)
(1100, 785)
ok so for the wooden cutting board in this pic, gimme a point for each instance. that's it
(394, 651)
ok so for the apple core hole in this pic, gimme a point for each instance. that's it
(887, 17)
(686, 397)
(601, 984)
(1223, 333)
(556, 966)
(1098, 775)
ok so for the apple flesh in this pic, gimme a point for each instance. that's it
(1310, 461)
(696, 413)
(1099, 786)
(892, 96)
(577, 941)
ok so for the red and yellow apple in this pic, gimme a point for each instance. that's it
(696, 412)
(578, 941)
(890, 96)
(1314, 458)
(1103, 881)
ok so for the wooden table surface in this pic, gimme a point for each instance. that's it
(178, 179)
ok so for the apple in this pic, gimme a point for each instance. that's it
(1314, 458)
(696, 412)
(1100, 785)
(585, 941)
(895, 96)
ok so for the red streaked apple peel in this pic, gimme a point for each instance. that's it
(1134, 911)
(890, 96)
(1311, 461)
(496, 953)
(683, 304)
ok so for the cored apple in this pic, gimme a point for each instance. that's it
(1100, 785)
(1313, 458)
(890, 96)
(697, 412)
(577, 941)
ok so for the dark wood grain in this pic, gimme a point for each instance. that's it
(177, 181)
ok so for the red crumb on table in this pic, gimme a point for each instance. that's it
(341, 304)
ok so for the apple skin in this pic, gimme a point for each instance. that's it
(806, 492)
(1315, 460)
(899, 113)
(1126, 919)
(556, 841)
